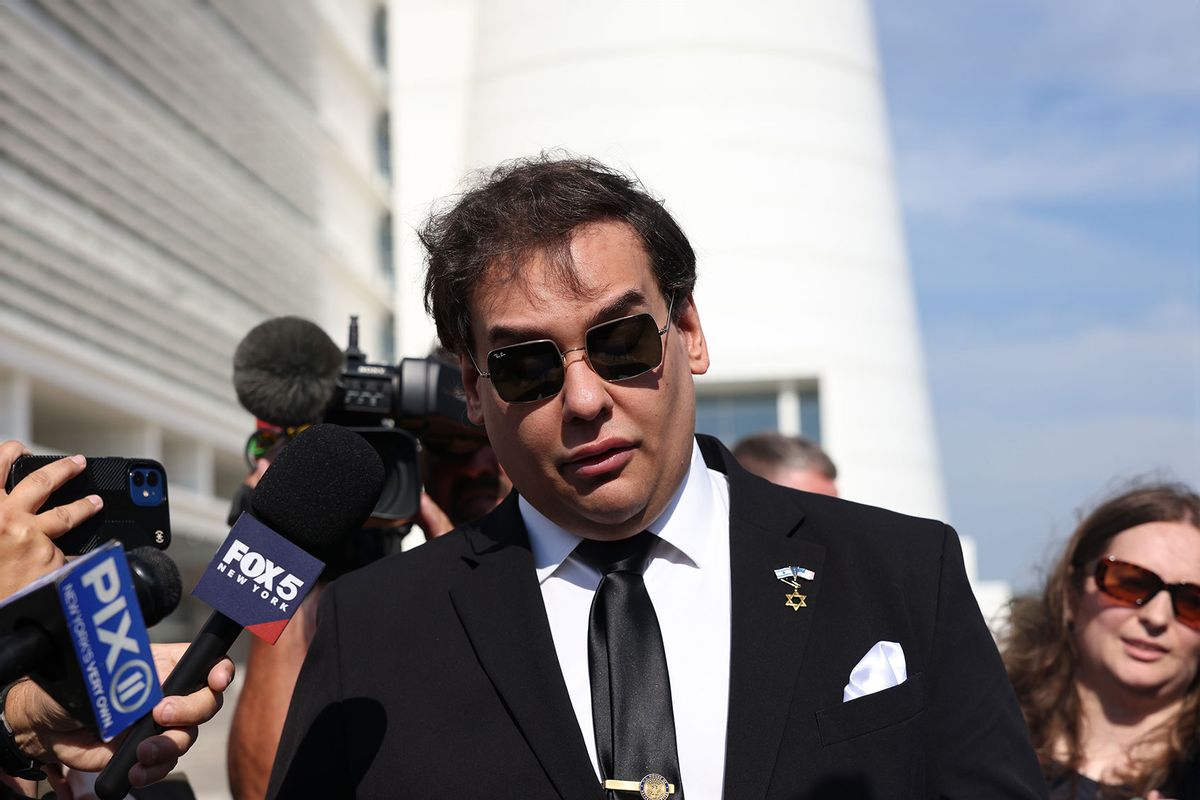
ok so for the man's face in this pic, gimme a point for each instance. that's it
(600, 459)
(466, 482)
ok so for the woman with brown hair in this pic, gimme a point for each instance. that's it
(1105, 659)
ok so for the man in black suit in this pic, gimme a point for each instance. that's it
(642, 616)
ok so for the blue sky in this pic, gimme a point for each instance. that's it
(1048, 160)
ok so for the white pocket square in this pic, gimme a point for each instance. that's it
(881, 668)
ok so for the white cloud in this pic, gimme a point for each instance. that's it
(1134, 49)
(1004, 273)
(1063, 340)
(1137, 49)
(1018, 486)
(1042, 101)
(1141, 366)
(1032, 430)
(952, 176)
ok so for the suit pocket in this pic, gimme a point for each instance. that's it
(873, 712)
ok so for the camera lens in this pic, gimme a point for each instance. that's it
(152, 478)
(137, 479)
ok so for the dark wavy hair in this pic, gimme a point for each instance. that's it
(1042, 659)
(530, 206)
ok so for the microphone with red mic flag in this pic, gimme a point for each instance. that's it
(320, 488)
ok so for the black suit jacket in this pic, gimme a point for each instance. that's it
(434, 674)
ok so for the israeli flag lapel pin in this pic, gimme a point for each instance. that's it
(795, 600)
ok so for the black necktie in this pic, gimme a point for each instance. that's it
(631, 690)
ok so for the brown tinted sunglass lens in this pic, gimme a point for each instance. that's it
(526, 372)
(1128, 583)
(1187, 605)
(624, 348)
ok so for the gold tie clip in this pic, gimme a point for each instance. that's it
(651, 787)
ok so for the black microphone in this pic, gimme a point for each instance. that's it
(157, 583)
(285, 371)
(321, 488)
(37, 640)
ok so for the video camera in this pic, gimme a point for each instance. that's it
(395, 407)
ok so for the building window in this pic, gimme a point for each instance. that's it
(729, 417)
(731, 412)
(810, 415)
(387, 259)
(383, 145)
(387, 338)
(379, 36)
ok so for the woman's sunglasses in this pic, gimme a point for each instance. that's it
(1133, 585)
(617, 351)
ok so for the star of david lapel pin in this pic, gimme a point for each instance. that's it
(791, 576)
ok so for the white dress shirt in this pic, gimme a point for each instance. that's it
(688, 582)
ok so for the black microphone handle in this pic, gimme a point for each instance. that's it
(22, 650)
(190, 674)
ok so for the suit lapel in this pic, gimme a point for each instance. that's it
(767, 637)
(500, 606)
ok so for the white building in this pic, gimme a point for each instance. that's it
(171, 176)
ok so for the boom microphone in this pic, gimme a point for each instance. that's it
(77, 635)
(285, 371)
(321, 488)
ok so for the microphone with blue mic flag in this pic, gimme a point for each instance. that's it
(80, 634)
(321, 488)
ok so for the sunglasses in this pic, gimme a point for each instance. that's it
(616, 351)
(264, 440)
(1135, 586)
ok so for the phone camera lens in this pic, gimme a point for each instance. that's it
(152, 478)
(137, 479)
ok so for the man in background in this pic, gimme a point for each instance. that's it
(791, 461)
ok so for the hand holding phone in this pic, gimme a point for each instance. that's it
(133, 494)
(27, 538)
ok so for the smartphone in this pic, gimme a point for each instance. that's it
(134, 491)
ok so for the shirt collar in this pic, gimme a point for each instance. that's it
(684, 523)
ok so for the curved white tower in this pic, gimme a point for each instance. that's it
(763, 125)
